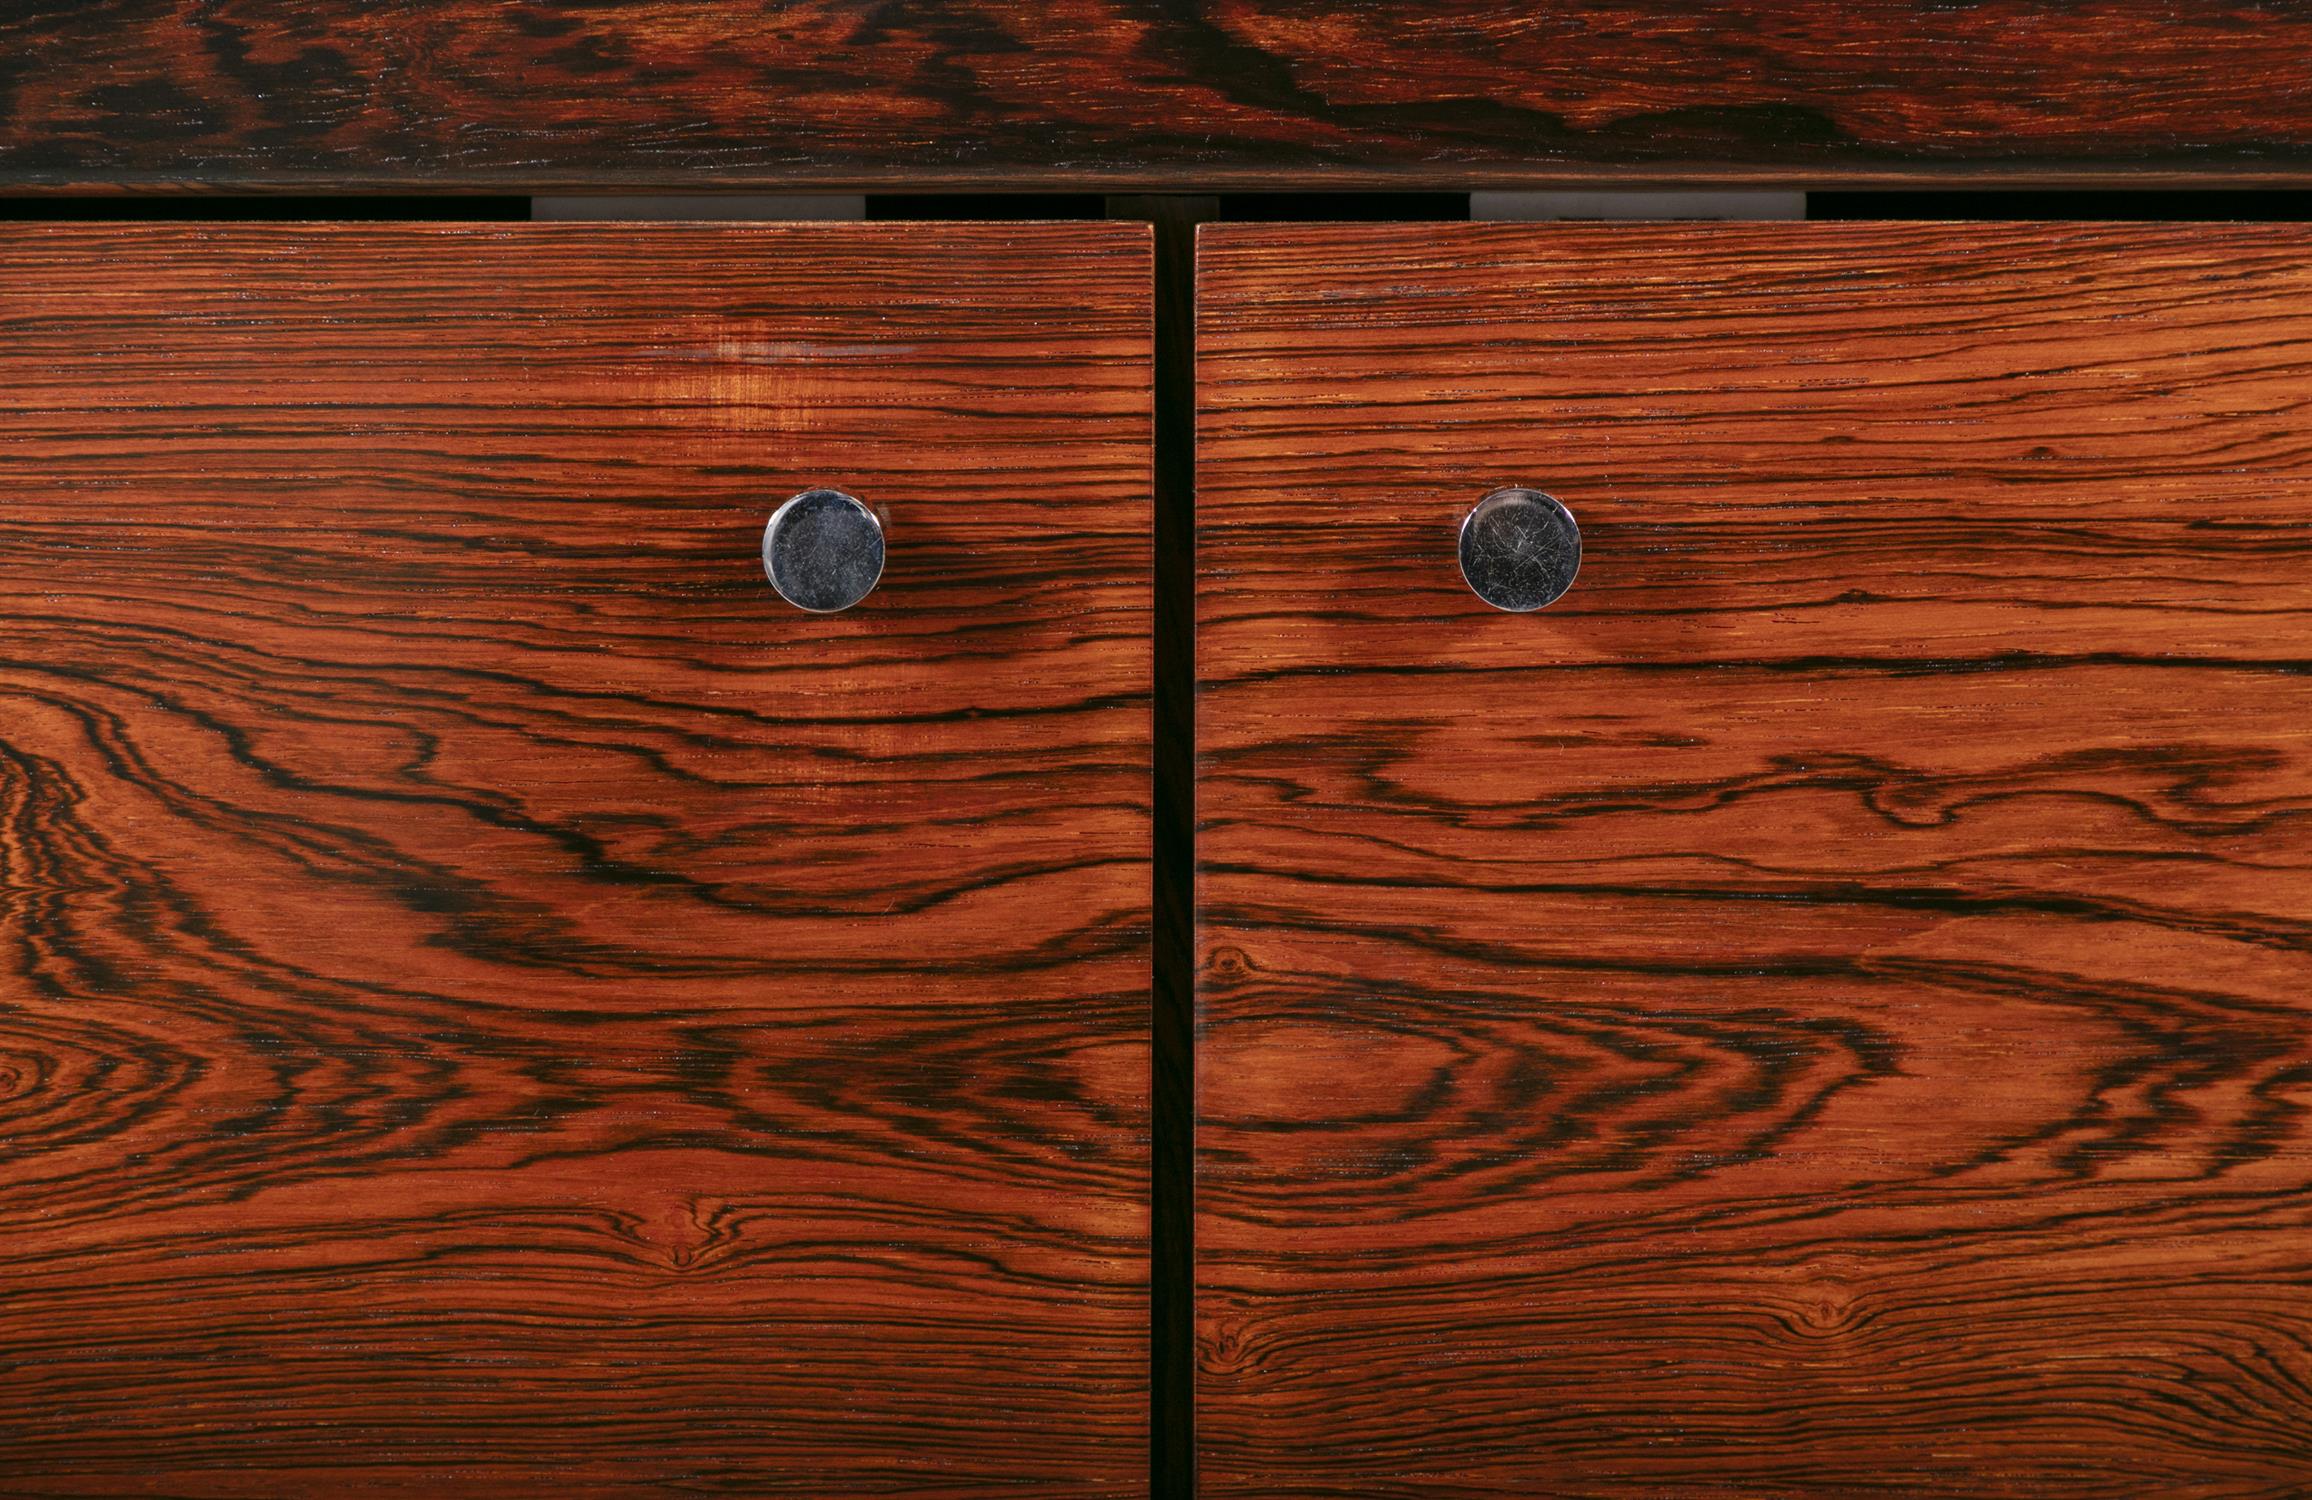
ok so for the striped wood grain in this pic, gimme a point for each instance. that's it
(491, 1000)
(1826, 1008)
(1129, 95)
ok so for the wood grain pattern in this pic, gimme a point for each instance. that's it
(494, 1002)
(1130, 95)
(1824, 1008)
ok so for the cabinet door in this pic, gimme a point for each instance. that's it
(1824, 1007)
(492, 999)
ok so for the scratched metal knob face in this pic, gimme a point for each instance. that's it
(823, 551)
(1519, 549)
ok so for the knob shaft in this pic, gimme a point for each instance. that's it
(823, 551)
(1519, 549)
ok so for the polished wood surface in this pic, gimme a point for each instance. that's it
(492, 1001)
(660, 95)
(1824, 1009)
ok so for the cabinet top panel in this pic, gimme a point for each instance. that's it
(847, 94)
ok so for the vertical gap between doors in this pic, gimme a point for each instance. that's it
(1172, 1163)
(1172, 1112)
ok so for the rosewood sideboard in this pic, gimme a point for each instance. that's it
(950, 749)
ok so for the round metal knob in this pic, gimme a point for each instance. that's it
(1519, 549)
(823, 551)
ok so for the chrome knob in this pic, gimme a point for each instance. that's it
(1519, 549)
(823, 551)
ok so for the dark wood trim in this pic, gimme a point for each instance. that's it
(1131, 97)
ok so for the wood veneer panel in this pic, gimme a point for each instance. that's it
(494, 1000)
(429, 94)
(1823, 1009)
